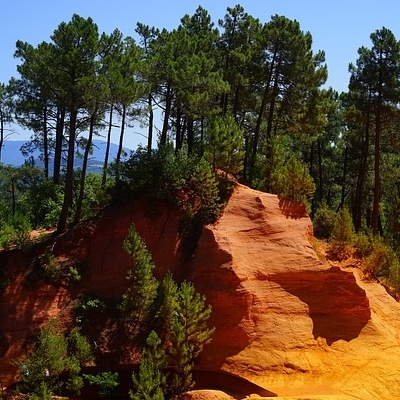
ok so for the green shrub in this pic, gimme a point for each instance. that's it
(394, 272)
(55, 362)
(6, 237)
(106, 382)
(50, 268)
(184, 181)
(86, 307)
(292, 180)
(364, 241)
(16, 232)
(342, 237)
(74, 274)
(224, 144)
(323, 221)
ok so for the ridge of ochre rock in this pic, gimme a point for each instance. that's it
(293, 324)
(284, 319)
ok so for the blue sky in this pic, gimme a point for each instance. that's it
(338, 27)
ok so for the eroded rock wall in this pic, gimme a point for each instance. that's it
(284, 319)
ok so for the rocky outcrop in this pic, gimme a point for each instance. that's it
(284, 319)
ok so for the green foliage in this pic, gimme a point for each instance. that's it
(293, 180)
(106, 382)
(164, 307)
(74, 274)
(393, 219)
(96, 195)
(79, 347)
(16, 232)
(149, 382)
(323, 221)
(6, 237)
(51, 269)
(182, 180)
(189, 335)
(138, 298)
(179, 322)
(43, 201)
(43, 393)
(342, 237)
(22, 228)
(224, 145)
(364, 241)
(380, 259)
(200, 193)
(86, 308)
(53, 356)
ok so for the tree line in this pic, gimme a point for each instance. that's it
(247, 96)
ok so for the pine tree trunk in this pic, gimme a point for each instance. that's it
(361, 177)
(121, 141)
(190, 135)
(167, 111)
(377, 180)
(58, 147)
(151, 121)
(45, 145)
(83, 173)
(257, 128)
(69, 178)
(107, 154)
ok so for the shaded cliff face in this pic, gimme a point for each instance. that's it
(283, 318)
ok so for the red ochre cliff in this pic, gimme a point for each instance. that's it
(284, 319)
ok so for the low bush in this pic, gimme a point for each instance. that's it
(86, 307)
(323, 221)
(342, 236)
(106, 382)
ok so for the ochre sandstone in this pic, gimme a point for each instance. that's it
(286, 319)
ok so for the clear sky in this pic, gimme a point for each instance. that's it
(338, 27)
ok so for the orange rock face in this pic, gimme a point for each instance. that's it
(284, 319)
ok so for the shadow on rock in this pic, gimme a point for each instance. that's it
(338, 307)
(291, 208)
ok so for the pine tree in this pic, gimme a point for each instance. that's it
(374, 83)
(342, 236)
(225, 142)
(142, 291)
(164, 307)
(189, 335)
(149, 382)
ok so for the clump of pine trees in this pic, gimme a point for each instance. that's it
(54, 365)
(175, 316)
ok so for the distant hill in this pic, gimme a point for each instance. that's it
(12, 155)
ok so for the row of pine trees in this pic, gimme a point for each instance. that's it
(248, 95)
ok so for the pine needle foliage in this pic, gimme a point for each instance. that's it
(323, 221)
(189, 335)
(140, 295)
(149, 382)
(55, 354)
(225, 143)
(342, 237)
(295, 181)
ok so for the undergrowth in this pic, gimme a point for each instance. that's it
(380, 260)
